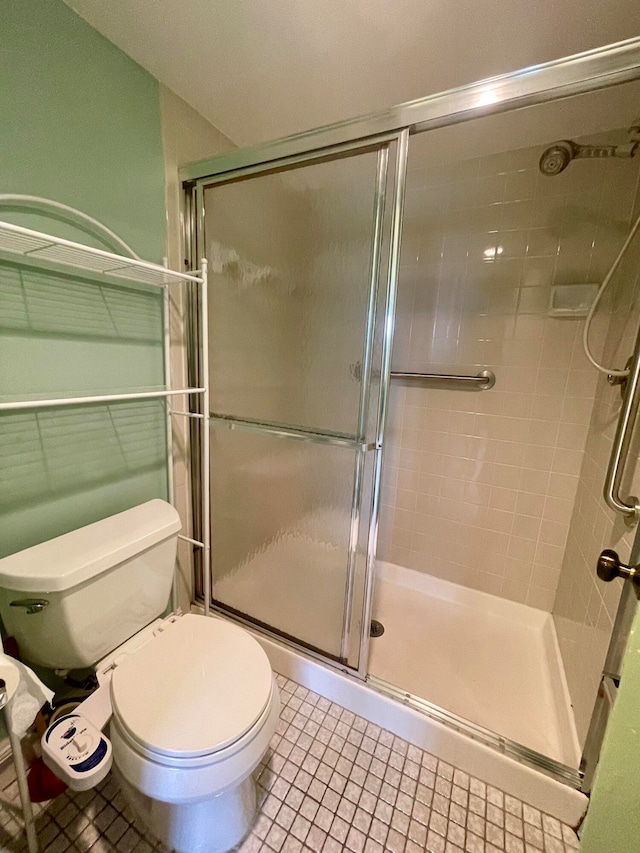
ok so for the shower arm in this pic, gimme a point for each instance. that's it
(626, 149)
(585, 152)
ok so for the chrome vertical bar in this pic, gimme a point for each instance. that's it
(629, 508)
(385, 381)
(356, 509)
(379, 205)
(353, 553)
(206, 409)
(193, 246)
(394, 267)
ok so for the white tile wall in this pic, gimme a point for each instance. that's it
(479, 487)
(585, 607)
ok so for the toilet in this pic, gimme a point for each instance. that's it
(192, 702)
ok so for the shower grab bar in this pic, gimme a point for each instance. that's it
(629, 508)
(483, 381)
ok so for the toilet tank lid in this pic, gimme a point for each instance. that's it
(74, 557)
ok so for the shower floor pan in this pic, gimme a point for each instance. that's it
(493, 662)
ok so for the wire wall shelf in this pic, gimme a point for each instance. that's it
(26, 244)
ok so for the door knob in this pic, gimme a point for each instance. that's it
(610, 567)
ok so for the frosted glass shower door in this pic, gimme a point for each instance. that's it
(298, 261)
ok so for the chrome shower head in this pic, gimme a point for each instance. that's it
(557, 157)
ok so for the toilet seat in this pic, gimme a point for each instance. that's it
(195, 690)
(155, 749)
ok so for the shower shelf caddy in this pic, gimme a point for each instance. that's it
(55, 253)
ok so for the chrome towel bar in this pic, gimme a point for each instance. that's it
(482, 381)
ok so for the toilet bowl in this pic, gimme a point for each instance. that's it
(193, 712)
(192, 700)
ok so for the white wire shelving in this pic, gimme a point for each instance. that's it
(84, 399)
(28, 244)
(24, 246)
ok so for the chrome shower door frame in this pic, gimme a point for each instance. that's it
(582, 73)
(367, 443)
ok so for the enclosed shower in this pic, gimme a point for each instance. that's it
(405, 425)
(484, 491)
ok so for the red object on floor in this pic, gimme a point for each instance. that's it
(11, 647)
(43, 783)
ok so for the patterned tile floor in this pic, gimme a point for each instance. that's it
(331, 781)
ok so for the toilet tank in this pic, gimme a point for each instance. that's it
(99, 585)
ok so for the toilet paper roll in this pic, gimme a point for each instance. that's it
(27, 692)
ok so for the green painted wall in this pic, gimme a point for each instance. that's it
(80, 125)
(612, 824)
(80, 122)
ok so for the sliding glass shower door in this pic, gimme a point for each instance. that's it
(300, 259)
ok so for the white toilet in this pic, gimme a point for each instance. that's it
(194, 702)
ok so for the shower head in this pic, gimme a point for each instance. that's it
(557, 157)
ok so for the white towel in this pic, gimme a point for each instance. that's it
(27, 692)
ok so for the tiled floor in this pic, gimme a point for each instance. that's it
(331, 781)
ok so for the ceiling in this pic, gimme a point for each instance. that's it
(261, 69)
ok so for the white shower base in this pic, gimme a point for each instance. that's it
(491, 661)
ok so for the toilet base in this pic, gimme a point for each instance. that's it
(213, 825)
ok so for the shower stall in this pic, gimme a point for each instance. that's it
(404, 424)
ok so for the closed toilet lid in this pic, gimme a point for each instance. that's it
(194, 689)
